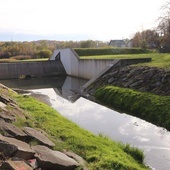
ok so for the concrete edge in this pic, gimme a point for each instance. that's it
(76, 55)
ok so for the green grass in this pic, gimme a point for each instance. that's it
(37, 59)
(110, 51)
(14, 60)
(150, 107)
(100, 152)
(158, 59)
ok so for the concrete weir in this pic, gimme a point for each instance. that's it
(30, 69)
(63, 61)
(89, 68)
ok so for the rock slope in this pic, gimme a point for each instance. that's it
(16, 153)
(143, 78)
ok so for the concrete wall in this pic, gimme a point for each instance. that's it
(79, 68)
(34, 69)
(87, 68)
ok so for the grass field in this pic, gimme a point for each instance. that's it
(158, 59)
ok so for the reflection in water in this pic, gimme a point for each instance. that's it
(35, 83)
(153, 140)
(64, 86)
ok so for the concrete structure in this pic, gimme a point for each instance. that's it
(121, 43)
(117, 43)
(30, 69)
(84, 68)
(87, 68)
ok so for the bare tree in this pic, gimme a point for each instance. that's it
(146, 39)
(164, 26)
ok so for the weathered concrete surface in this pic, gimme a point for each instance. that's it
(15, 165)
(16, 148)
(33, 69)
(39, 136)
(49, 159)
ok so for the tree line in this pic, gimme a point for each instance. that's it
(158, 38)
(42, 48)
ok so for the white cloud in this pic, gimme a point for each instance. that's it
(100, 19)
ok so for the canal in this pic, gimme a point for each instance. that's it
(59, 93)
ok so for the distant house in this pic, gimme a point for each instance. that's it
(120, 43)
(129, 43)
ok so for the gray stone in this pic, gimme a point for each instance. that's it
(78, 158)
(136, 83)
(15, 165)
(111, 80)
(17, 148)
(4, 99)
(52, 160)
(7, 149)
(39, 136)
(7, 117)
(3, 106)
(10, 130)
(166, 78)
(129, 83)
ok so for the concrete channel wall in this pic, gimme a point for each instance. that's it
(30, 69)
(77, 67)
(87, 68)
(63, 61)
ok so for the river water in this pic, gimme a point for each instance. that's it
(153, 140)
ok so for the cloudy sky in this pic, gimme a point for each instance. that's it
(26, 20)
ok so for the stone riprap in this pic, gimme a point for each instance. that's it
(38, 135)
(143, 78)
(16, 152)
(49, 159)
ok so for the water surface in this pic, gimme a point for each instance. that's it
(153, 140)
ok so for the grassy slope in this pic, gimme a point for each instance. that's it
(158, 60)
(150, 107)
(100, 152)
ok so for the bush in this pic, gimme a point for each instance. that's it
(109, 51)
(45, 53)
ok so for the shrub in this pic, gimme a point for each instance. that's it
(109, 51)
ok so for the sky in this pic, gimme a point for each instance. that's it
(76, 20)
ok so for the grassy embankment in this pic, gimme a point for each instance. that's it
(150, 107)
(100, 152)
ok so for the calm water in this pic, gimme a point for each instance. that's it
(153, 140)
